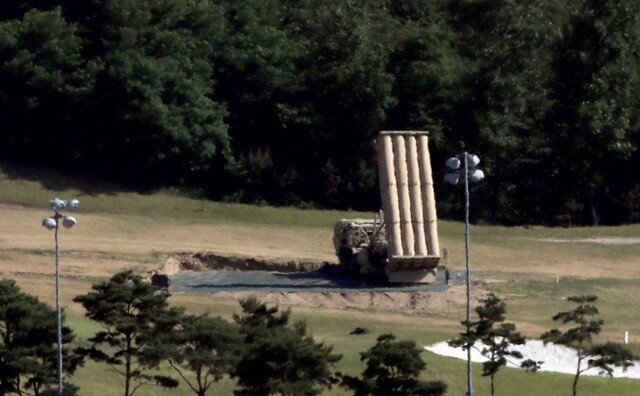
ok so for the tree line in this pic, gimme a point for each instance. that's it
(278, 102)
(261, 349)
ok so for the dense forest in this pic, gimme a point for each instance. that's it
(279, 101)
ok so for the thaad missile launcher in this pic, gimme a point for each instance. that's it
(401, 245)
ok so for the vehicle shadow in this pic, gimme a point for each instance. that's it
(313, 281)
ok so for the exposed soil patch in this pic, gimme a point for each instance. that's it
(451, 302)
(207, 261)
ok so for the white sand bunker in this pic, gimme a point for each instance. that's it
(556, 358)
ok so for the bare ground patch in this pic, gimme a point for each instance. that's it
(207, 261)
(449, 303)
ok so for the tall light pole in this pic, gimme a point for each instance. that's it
(53, 223)
(468, 171)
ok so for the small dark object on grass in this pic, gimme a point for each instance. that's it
(359, 330)
(161, 281)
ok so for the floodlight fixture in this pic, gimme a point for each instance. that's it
(469, 163)
(473, 160)
(453, 163)
(49, 223)
(73, 204)
(58, 204)
(452, 178)
(69, 221)
(476, 175)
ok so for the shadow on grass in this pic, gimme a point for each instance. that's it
(91, 185)
(52, 179)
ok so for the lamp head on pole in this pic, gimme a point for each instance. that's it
(454, 172)
(73, 204)
(472, 160)
(476, 175)
(49, 223)
(69, 221)
(452, 178)
(58, 204)
(453, 163)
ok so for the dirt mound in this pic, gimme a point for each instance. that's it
(419, 303)
(207, 261)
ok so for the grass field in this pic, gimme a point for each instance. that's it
(120, 229)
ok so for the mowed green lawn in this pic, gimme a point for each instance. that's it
(119, 229)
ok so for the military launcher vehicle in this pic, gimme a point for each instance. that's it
(401, 245)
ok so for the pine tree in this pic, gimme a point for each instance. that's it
(28, 344)
(209, 348)
(603, 356)
(129, 309)
(279, 357)
(497, 338)
(393, 368)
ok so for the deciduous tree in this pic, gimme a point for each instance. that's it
(156, 89)
(505, 45)
(44, 79)
(593, 120)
